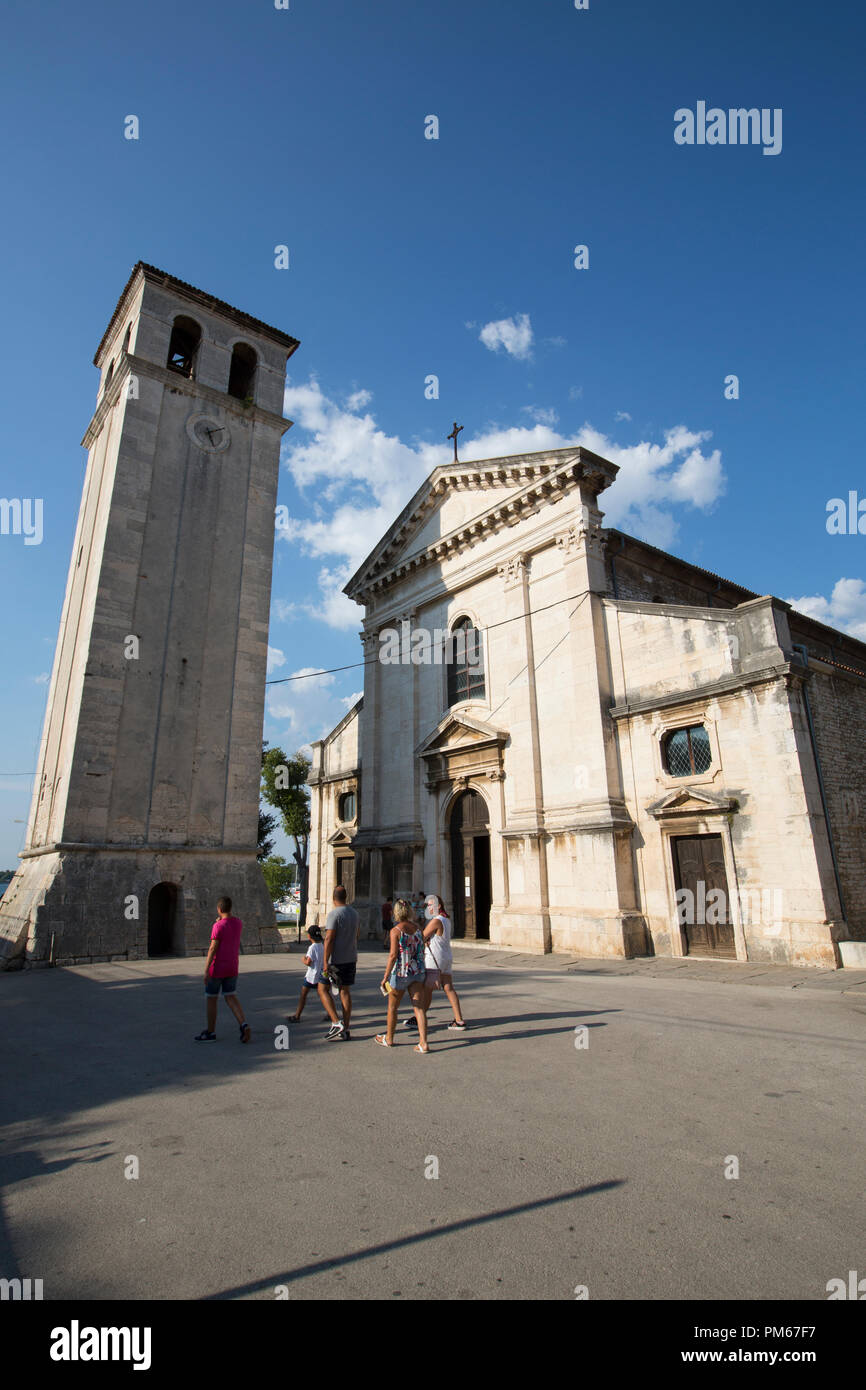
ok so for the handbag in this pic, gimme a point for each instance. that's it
(437, 967)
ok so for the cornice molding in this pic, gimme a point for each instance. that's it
(78, 847)
(727, 685)
(129, 365)
(540, 478)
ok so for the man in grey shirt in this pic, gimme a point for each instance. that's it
(341, 954)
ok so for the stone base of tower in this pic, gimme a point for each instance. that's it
(73, 906)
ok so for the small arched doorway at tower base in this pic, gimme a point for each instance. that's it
(164, 931)
(471, 887)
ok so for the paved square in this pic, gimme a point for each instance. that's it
(559, 1166)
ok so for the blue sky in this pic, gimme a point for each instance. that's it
(452, 257)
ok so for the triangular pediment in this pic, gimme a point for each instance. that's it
(339, 837)
(460, 731)
(463, 502)
(692, 800)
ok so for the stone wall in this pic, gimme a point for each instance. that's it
(150, 758)
(640, 572)
(334, 772)
(76, 907)
(760, 792)
(838, 706)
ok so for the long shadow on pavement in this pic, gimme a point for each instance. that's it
(339, 1261)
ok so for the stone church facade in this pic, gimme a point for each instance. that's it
(586, 745)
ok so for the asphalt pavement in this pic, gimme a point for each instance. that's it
(581, 1129)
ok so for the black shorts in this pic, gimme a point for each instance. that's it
(344, 975)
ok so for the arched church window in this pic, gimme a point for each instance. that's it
(126, 337)
(242, 372)
(109, 374)
(465, 663)
(347, 806)
(687, 751)
(185, 338)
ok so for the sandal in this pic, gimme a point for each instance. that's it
(419, 1048)
(246, 1032)
(383, 1041)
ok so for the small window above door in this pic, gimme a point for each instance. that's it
(687, 752)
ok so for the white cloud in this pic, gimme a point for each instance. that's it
(276, 659)
(621, 415)
(299, 711)
(347, 452)
(845, 609)
(42, 679)
(514, 335)
(359, 479)
(541, 415)
(286, 610)
(307, 404)
(358, 400)
(575, 393)
(333, 607)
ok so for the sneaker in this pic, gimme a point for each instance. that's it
(456, 1027)
(246, 1032)
(410, 1022)
(205, 1037)
(334, 1031)
(346, 1034)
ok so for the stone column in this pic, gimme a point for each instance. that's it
(525, 919)
(605, 917)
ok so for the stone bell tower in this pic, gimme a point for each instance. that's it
(145, 806)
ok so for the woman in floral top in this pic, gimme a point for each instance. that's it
(405, 970)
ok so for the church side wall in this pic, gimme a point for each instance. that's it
(777, 865)
(838, 708)
(639, 582)
(335, 768)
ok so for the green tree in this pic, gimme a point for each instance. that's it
(284, 786)
(267, 826)
(279, 876)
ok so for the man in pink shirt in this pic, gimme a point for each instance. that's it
(221, 971)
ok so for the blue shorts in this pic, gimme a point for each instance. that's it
(402, 982)
(228, 984)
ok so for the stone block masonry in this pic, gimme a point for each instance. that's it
(145, 806)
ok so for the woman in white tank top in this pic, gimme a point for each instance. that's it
(438, 958)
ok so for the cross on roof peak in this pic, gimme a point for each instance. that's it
(453, 435)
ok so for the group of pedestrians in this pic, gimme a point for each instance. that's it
(333, 962)
(419, 961)
(418, 940)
